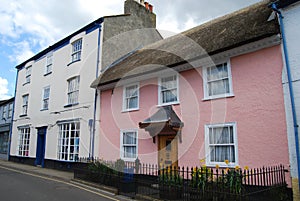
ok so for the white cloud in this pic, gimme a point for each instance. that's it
(3, 89)
(22, 51)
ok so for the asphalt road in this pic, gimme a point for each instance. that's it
(19, 186)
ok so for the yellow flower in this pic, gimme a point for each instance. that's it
(226, 170)
(217, 166)
(202, 160)
(237, 167)
(194, 169)
(227, 162)
(246, 167)
(169, 170)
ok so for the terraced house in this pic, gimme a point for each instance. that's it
(209, 94)
(6, 113)
(56, 120)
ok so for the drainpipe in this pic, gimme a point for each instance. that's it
(12, 119)
(91, 155)
(290, 84)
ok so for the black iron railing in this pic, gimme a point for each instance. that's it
(188, 183)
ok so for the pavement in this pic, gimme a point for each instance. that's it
(63, 176)
(55, 174)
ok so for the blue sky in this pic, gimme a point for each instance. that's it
(29, 26)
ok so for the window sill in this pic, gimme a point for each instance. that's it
(71, 105)
(218, 97)
(26, 83)
(166, 104)
(222, 165)
(44, 109)
(23, 115)
(48, 73)
(130, 110)
(129, 159)
(73, 62)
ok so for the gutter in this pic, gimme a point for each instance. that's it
(92, 140)
(12, 118)
(290, 84)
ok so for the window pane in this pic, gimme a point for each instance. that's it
(168, 89)
(68, 142)
(221, 143)
(218, 80)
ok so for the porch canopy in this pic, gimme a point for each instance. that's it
(164, 122)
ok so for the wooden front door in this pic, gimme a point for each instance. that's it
(168, 150)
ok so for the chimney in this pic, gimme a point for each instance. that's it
(151, 8)
(141, 9)
(147, 5)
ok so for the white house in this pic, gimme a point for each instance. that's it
(55, 108)
(289, 13)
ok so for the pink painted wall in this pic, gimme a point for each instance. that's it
(257, 108)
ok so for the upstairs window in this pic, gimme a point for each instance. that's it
(131, 97)
(168, 90)
(49, 62)
(76, 50)
(28, 74)
(129, 145)
(46, 96)
(73, 90)
(25, 104)
(217, 81)
(4, 112)
(10, 110)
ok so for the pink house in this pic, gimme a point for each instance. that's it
(210, 94)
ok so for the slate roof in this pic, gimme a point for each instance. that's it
(165, 114)
(241, 27)
(285, 3)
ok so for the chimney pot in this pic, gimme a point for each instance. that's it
(150, 8)
(147, 5)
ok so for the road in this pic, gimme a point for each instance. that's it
(20, 186)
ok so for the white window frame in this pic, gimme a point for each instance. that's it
(25, 104)
(65, 137)
(10, 110)
(76, 50)
(46, 99)
(4, 109)
(49, 63)
(209, 147)
(28, 72)
(160, 96)
(125, 103)
(122, 145)
(73, 91)
(23, 141)
(205, 82)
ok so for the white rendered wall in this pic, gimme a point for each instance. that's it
(57, 80)
(292, 30)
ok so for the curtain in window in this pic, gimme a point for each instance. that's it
(221, 142)
(169, 89)
(131, 95)
(218, 80)
(129, 144)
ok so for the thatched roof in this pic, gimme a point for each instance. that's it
(241, 27)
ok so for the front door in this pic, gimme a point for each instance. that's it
(41, 145)
(167, 150)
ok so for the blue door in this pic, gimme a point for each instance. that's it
(41, 145)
